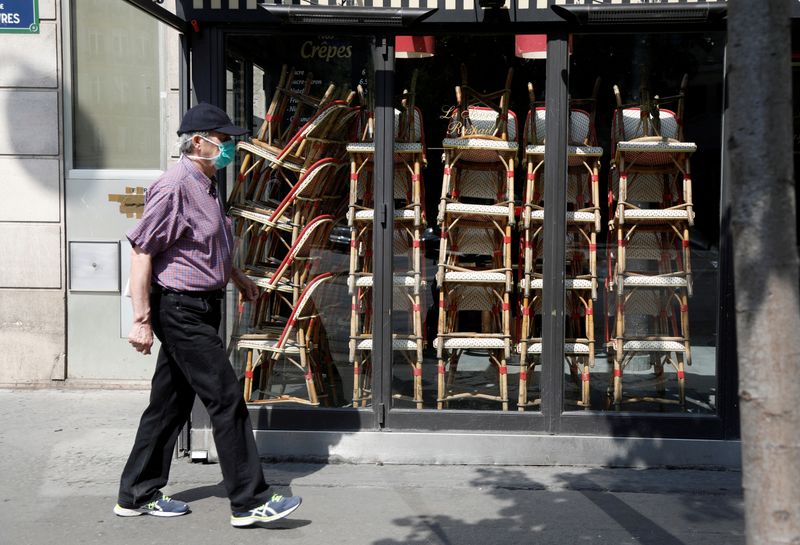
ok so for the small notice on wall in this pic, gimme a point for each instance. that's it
(20, 16)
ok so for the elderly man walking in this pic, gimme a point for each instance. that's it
(180, 265)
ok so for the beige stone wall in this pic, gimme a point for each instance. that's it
(32, 262)
(42, 208)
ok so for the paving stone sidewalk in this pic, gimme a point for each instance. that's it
(61, 452)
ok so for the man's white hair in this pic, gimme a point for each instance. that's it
(185, 142)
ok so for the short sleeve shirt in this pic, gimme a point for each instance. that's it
(185, 230)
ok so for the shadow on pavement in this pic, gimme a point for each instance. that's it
(598, 506)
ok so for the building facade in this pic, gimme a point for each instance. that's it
(555, 360)
(88, 105)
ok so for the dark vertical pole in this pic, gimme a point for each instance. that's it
(208, 85)
(555, 198)
(208, 66)
(183, 446)
(184, 82)
(383, 60)
(727, 372)
(247, 97)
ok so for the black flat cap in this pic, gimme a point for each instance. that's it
(206, 117)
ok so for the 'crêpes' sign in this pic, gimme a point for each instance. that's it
(21, 16)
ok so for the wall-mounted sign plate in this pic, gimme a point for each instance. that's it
(19, 16)
(94, 266)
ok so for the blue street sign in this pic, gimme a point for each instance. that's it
(21, 16)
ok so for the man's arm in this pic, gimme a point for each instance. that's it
(141, 335)
(247, 287)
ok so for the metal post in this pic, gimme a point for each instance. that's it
(208, 85)
(184, 82)
(728, 378)
(555, 198)
(383, 56)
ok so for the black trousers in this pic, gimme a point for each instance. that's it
(192, 360)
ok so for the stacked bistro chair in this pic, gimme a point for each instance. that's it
(651, 211)
(287, 198)
(277, 130)
(583, 224)
(409, 222)
(476, 214)
(579, 349)
(300, 343)
(287, 276)
(272, 234)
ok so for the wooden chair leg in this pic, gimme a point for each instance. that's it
(356, 379)
(305, 365)
(503, 371)
(585, 386)
(681, 381)
(617, 382)
(248, 376)
(522, 398)
(417, 372)
(440, 392)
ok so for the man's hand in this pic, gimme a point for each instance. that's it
(141, 337)
(247, 287)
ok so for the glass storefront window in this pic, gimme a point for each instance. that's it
(642, 223)
(658, 120)
(472, 97)
(116, 87)
(294, 205)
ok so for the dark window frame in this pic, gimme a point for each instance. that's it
(207, 75)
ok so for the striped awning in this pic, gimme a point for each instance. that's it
(448, 11)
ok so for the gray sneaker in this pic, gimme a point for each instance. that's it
(162, 507)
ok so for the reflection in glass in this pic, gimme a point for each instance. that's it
(583, 224)
(467, 288)
(289, 205)
(660, 131)
(467, 96)
(116, 108)
(475, 218)
(407, 283)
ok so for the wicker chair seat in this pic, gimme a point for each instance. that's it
(466, 343)
(399, 147)
(400, 344)
(572, 217)
(569, 283)
(268, 345)
(270, 154)
(655, 215)
(653, 346)
(577, 349)
(475, 277)
(643, 281)
(476, 209)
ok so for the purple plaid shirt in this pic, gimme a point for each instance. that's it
(185, 230)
